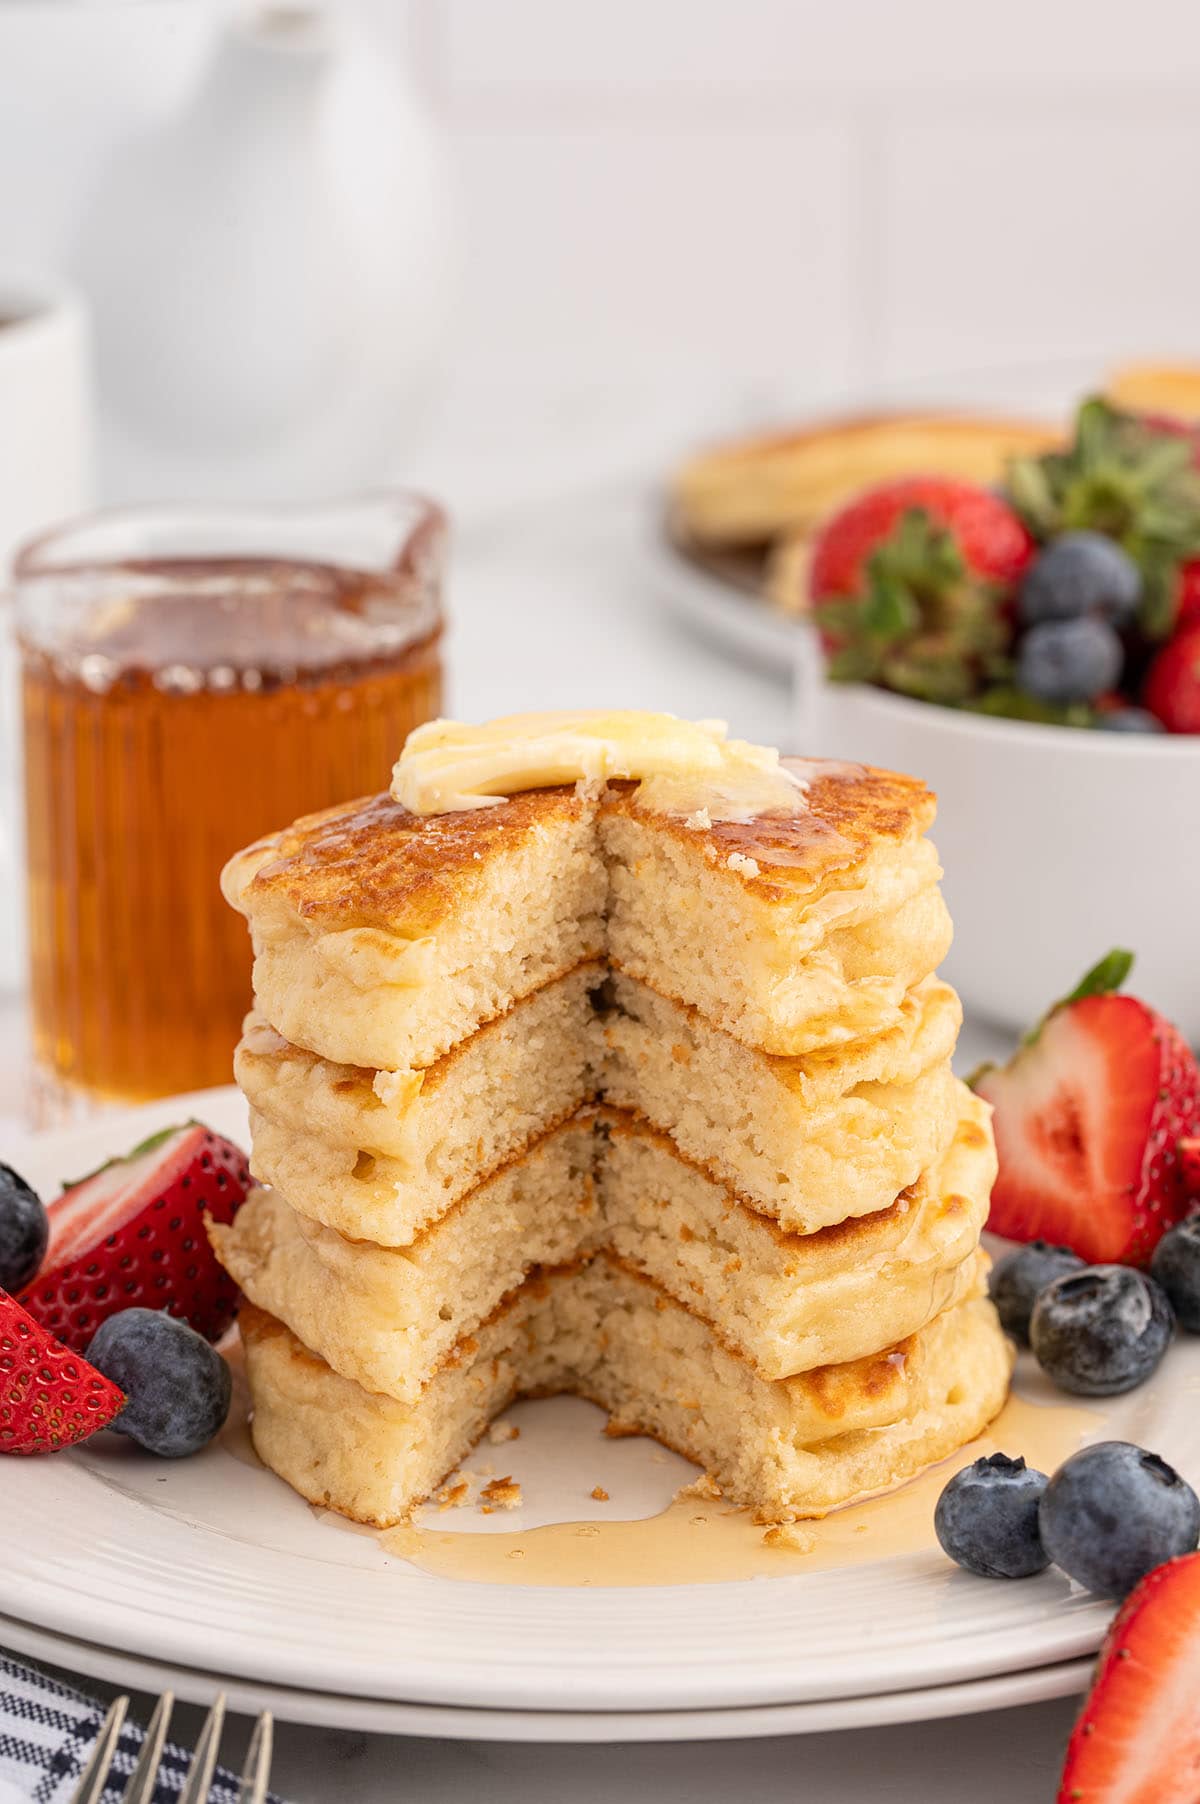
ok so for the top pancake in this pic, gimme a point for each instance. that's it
(371, 862)
(382, 938)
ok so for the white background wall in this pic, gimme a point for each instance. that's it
(779, 198)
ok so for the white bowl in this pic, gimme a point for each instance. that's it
(1057, 843)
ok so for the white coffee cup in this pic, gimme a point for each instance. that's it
(45, 475)
(45, 408)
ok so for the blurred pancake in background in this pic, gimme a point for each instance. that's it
(1168, 391)
(747, 511)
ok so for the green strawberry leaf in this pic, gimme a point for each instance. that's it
(1104, 978)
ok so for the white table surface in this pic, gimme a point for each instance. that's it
(553, 606)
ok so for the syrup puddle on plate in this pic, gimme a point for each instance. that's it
(697, 1540)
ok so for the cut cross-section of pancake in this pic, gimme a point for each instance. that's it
(810, 1140)
(387, 1317)
(379, 1155)
(790, 931)
(797, 1447)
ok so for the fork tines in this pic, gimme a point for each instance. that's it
(140, 1790)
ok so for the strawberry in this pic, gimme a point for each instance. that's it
(133, 1233)
(1089, 1119)
(989, 538)
(1189, 1165)
(50, 1397)
(1137, 1740)
(910, 583)
(1172, 687)
(1187, 592)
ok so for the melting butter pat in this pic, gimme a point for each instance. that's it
(682, 766)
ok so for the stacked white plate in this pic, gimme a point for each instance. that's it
(210, 1571)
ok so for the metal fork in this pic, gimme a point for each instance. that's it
(253, 1787)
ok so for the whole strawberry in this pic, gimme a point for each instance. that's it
(50, 1397)
(1187, 607)
(133, 1233)
(1089, 1119)
(1172, 687)
(910, 584)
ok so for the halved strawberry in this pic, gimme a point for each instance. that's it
(1137, 1740)
(50, 1397)
(1089, 1116)
(133, 1233)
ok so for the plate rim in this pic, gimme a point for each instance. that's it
(328, 1709)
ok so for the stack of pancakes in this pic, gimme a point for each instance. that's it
(572, 1094)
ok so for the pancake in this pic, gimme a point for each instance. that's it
(798, 1447)
(386, 1317)
(383, 938)
(810, 1140)
(748, 492)
(380, 1155)
(789, 1302)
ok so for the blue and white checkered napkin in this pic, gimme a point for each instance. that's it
(46, 1736)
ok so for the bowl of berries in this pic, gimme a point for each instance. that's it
(1033, 652)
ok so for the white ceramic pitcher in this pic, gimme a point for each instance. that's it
(267, 270)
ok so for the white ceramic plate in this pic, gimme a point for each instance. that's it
(212, 1563)
(328, 1710)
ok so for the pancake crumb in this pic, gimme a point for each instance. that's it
(738, 861)
(453, 1496)
(500, 1494)
(499, 1432)
(700, 822)
(599, 1494)
(790, 1535)
(704, 1486)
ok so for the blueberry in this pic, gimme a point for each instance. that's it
(1176, 1266)
(1100, 1331)
(1081, 573)
(24, 1231)
(1069, 660)
(1016, 1280)
(987, 1518)
(1114, 1511)
(1129, 720)
(177, 1387)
